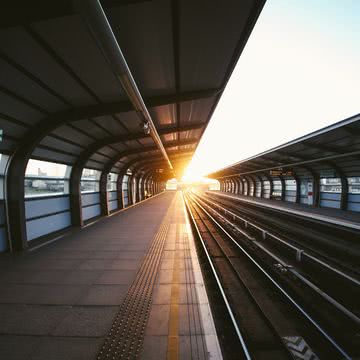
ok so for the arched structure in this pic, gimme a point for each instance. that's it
(321, 169)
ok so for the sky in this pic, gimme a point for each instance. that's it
(299, 72)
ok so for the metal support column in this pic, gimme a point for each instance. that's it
(103, 193)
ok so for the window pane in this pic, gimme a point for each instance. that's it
(43, 187)
(332, 185)
(111, 186)
(112, 177)
(125, 182)
(3, 161)
(90, 174)
(354, 185)
(112, 182)
(290, 185)
(1, 187)
(90, 180)
(44, 178)
(37, 168)
(89, 186)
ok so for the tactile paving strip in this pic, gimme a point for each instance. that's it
(126, 335)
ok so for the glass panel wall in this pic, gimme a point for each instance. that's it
(125, 190)
(354, 185)
(3, 162)
(266, 189)
(330, 192)
(90, 179)
(112, 182)
(354, 193)
(290, 190)
(258, 188)
(277, 188)
(43, 178)
(330, 185)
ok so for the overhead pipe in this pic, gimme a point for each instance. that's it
(96, 19)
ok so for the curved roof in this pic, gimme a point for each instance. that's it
(334, 148)
(61, 101)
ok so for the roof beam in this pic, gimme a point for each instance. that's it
(148, 159)
(20, 13)
(94, 147)
(53, 121)
(322, 147)
(117, 107)
(145, 149)
(297, 164)
(85, 156)
(99, 26)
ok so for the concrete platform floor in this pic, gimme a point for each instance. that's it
(59, 301)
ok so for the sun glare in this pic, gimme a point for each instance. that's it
(193, 176)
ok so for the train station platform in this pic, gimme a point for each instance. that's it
(335, 216)
(129, 284)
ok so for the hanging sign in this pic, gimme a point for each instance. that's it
(281, 172)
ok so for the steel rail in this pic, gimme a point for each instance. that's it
(218, 282)
(300, 277)
(266, 232)
(249, 292)
(312, 215)
(328, 337)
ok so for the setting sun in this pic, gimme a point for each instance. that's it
(193, 176)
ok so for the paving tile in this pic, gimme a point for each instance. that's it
(42, 294)
(93, 270)
(185, 263)
(104, 295)
(47, 277)
(167, 264)
(207, 319)
(168, 254)
(192, 347)
(143, 246)
(86, 321)
(124, 264)
(116, 255)
(165, 277)
(194, 279)
(49, 264)
(154, 348)
(17, 347)
(187, 294)
(120, 277)
(96, 264)
(53, 277)
(162, 294)
(66, 254)
(22, 277)
(170, 246)
(213, 347)
(80, 277)
(55, 348)
(30, 319)
(189, 320)
(158, 322)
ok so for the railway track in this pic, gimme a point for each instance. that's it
(268, 321)
(340, 245)
(331, 276)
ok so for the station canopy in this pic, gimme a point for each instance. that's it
(333, 151)
(62, 102)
